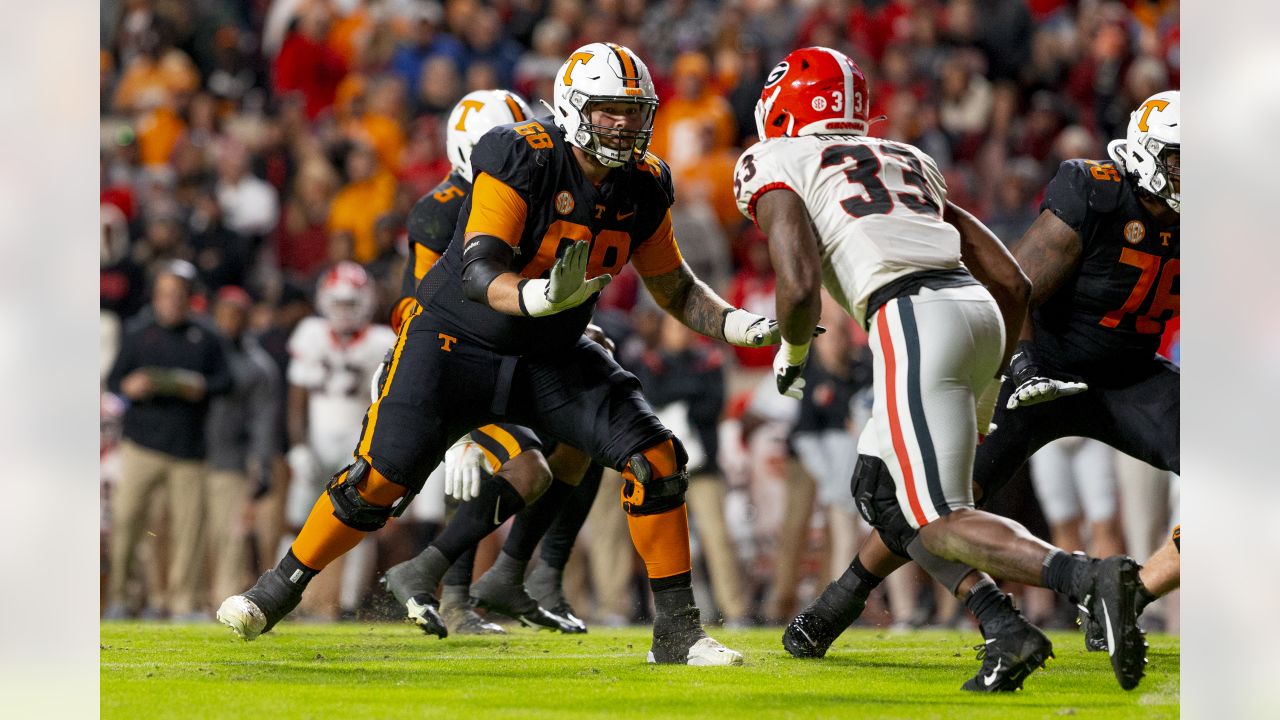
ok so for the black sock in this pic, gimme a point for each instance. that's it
(986, 602)
(455, 595)
(1144, 598)
(558, 542)
(420, 574)
(534, 521)
(479, 516)
(672, 600)
(459, 573)
(508, 569)
(1066, 573)
(294, 572)
(845, 598)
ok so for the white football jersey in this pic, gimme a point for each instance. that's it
(875, 205)
(336, 375)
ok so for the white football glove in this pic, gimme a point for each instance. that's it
(987, 407)
(1031, 385)
(302, 462)
(462, 465)
(750, 330)
(375, 382)
(788, 369)
(568, 286)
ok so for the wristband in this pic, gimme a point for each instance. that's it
(794, 354)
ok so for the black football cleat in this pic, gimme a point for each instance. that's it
(260, 607)
(543, 585)
(1095, 635)
(809, 635)
(421, 608)
(1011, 653)
(1111, 602)
(512, 600)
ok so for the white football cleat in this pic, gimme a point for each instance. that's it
(243, 617)
(708, 652)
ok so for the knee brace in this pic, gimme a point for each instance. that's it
(873, 491)
(352, 509)
(655, 479)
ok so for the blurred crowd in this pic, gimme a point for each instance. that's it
(247, 146)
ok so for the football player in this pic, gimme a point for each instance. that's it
(432, 223)
(1103, 258)
(942, 301)
(555, 210)
(331, 355)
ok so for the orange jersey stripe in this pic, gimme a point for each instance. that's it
(659, 254)
(423, 260)
(371, 417)
(504, 438)
(497, 210)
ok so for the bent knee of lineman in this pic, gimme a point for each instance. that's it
(874, 493)
(363, 498)
(655, 479)
(528, 473)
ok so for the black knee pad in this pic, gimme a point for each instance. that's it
(649, 495)
(873, 491)
(354, 511)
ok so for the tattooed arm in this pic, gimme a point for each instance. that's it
(690, 301)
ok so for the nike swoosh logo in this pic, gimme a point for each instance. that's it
(1111, 640)
(624, 217)
(497, 508)
(989, 679)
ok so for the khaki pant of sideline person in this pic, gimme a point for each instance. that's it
(227, 533)
(705, 499)
(142, 472)
(793, 537)
(612, 556)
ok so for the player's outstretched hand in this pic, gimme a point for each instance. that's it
(1033, 386)
(568, 286)
(746, 329)
(1038, 389)
(462, 465)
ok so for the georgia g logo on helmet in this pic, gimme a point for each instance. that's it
(598, 73)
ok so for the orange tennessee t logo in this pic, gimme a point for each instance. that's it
(1147, 107)
(467, 106)
(574, 59)
(449, 340)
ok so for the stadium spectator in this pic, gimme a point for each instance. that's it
(306, 64)
(426, 40)
(242, 443)
(694, 106)
(170, 366)
(370, 191)
(250, 205)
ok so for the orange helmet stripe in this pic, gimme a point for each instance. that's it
(631, 77)
(514, 106)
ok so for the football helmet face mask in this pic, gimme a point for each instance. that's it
(605, 73)
(1150, 153)
(814, 90)
(474, 115)
(345, 297)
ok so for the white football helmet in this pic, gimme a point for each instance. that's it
(1149, 153)
(474, 115)
(345, 297)
(604, 72)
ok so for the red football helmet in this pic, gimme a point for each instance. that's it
(346, 296)
(814, 90)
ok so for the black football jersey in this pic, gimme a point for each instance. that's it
(1107, 318)
(431, 224)
(626, 218)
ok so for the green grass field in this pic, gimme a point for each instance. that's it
(392, 671)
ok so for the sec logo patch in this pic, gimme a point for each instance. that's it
(1134, 231)
(564, 202)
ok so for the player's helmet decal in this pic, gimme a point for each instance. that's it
(1150, 153)
(345, 296)
(474, 115)
(814, 90)
(604, 72)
